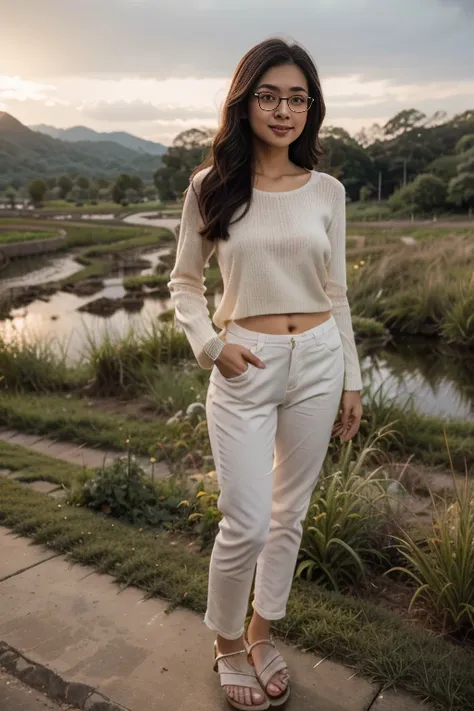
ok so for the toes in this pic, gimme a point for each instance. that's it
(273, 689)
(257, 698)
(247, 700)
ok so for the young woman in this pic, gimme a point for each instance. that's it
(285, 363)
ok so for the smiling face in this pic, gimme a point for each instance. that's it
(279, 126)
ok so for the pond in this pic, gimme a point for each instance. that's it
(439, 381)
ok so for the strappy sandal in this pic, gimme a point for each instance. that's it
(273, 663)
(232, 676)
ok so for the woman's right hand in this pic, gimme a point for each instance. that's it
(235, 359)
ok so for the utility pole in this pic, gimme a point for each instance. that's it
(380, 185)
(404, 172)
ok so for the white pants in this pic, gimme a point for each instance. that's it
(269, 431)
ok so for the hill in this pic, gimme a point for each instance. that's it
(82, 133)
(27, 154)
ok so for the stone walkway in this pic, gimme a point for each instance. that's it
(104, 648)
(80, 455)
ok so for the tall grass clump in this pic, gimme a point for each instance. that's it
(458, 322)
(346, 531)
(125, 364)
(441, 563)
(33, 366)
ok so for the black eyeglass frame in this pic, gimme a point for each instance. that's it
(284, 98)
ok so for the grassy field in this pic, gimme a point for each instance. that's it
(7, 237)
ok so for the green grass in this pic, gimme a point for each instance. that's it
(152, 281)
(10, 237)
(374, 642)
(37, 467)
(72, 419)
(96, 259)
(145, 238)
(85, 235)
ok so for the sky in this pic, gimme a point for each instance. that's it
(157, 67)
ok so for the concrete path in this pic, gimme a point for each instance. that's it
(74, 453)
(15, 696)
(116, 646)
(144, 219)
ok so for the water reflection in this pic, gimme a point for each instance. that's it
(59, 323)
(439, 380)
(45, 270)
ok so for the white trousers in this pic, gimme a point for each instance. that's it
(269, 431)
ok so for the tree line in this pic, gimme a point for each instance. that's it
(125, 189)
(415, 162)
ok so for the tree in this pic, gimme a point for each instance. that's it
(131, 195)
(187, 151)
(37, 189)
(404, 121)
(82, 182)
(137, 184)
(65, 185)
(429, 192)
(11, 197)
(465, 143)
(461, 190)
(104, 194)
(461, 187)
(123, 183)
(346, 160)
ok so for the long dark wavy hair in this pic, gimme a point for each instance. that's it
(228, 185)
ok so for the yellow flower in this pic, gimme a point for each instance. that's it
(153, 460)
(362, 261)
(356, 266)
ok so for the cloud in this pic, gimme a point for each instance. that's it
(121, 111)
(408, 41)
(14, 87)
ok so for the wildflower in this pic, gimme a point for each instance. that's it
(362, 261)
(356, 266)
(127, 441)
(153, 460)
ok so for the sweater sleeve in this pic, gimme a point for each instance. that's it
(336, 289)
(187, 284)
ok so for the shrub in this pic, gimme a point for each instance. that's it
(34, 366)
(124, 491)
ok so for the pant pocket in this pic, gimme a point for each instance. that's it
(216, 374)
(332, 340)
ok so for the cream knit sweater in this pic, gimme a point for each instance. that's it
(286, 256)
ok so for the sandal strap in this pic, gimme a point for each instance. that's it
(230, 654)
(272, 662)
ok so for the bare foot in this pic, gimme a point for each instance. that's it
(279, 682)
(242, 694)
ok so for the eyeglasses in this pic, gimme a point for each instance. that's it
(270, 102)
